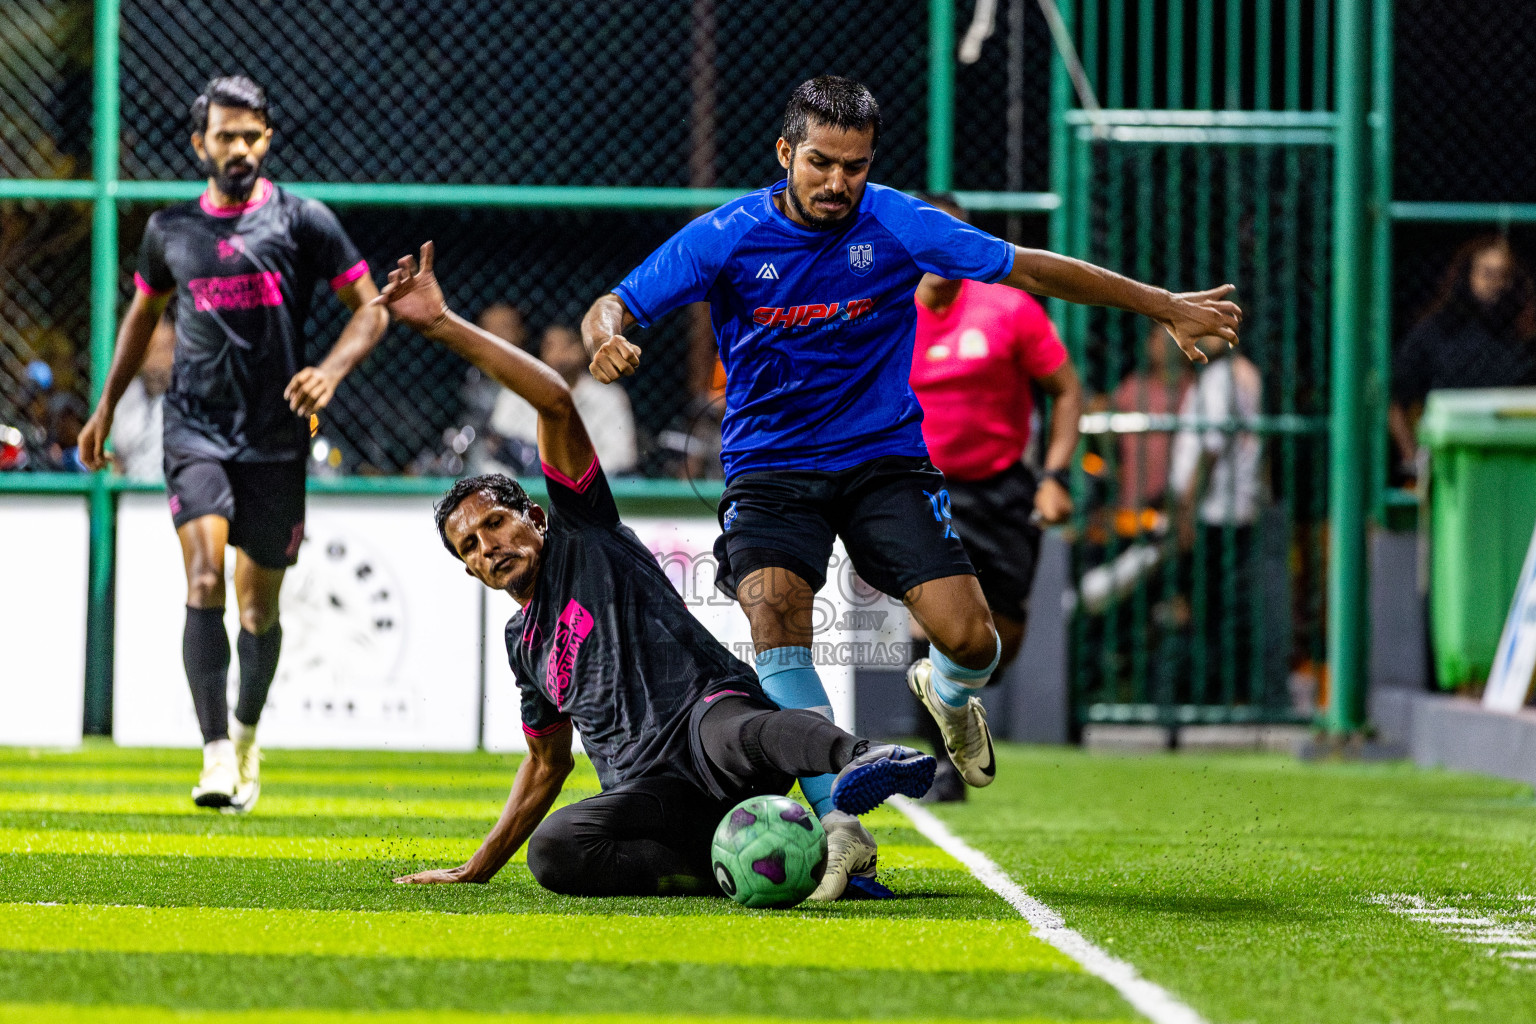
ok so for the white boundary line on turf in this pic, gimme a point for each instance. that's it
(1155, 1002)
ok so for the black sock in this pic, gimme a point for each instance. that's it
(258, 664)
(745, 740)
(205, 653)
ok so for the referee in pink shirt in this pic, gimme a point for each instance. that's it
(980, 348)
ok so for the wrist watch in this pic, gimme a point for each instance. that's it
(1061, 476)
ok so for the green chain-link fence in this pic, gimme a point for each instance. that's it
(548, 147)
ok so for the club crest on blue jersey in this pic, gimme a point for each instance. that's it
(861, 258)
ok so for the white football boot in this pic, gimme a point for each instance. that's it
(966, 736)
(851, 853)
(248, 769)
(216, 786)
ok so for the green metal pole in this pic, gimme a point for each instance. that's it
(1061, 157)
(1379, 376)
(1347, 450)
(98, 660)
(941, 95)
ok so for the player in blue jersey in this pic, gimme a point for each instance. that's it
(810, 284)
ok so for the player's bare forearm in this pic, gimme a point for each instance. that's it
(364, 330)
(1066, 391)
(1187, 316)
(313, 387)
(602, 332)
(133, 337)
(413, 295)
(534, 790)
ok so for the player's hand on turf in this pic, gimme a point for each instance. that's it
(93, 440)
(311, 390)
(1196, 315)
(437, 876)
(617, 357)
(1053, 502)
(412, 294)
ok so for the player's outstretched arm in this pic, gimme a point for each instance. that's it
(414, 297)
(1187, 316)
(602, 332)
(534, 790)
(312, 388)
(132, 345)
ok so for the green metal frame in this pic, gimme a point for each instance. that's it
(1361, 73)
(1347, 469)
(105, 191)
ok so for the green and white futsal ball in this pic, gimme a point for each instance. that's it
(769, 852)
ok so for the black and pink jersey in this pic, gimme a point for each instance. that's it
(608, 644)
(244, 277)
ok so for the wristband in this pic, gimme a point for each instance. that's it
(1061, 476)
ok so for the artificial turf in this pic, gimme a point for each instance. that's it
(1253, 888)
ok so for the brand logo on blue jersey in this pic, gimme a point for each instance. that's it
(861, 258)
(942, 514)
(730, 516)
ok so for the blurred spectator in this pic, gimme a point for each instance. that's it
(480, 392)
(1479, 332)
(690, 445)
(66, 415)
(1159, 389)
(603, 407)
(1217, 480)
(138, 426)
(24, 443)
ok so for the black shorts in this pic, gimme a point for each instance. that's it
(893, 514)
(993, 517)
(263, 501)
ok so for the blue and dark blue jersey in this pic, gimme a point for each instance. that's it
(815, 327)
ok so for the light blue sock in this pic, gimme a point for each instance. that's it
(789, 677)
(953, 684)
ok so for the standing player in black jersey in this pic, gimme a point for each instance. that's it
(678, 728)
(243, 261)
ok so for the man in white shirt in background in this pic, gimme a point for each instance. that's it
(138, 428)
(604, 407)
(1217, 483)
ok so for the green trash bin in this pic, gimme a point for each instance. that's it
(1482, 498)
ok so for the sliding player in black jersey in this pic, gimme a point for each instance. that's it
(678, 729)
(243, 260)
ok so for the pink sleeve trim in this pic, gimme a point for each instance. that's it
(548, 730)
(349, 275)
(143, 286)
(579, 486)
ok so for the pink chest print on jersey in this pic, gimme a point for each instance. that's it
(240, 291)
(574, 626)
(231, 248)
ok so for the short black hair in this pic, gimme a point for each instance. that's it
(235, 91)
(499, 487)
(832, 101)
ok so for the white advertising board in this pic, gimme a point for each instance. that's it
(1514, 663)
(381, 632)
(44, 576)
(853, 624)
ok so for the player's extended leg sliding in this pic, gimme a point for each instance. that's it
(652, 836)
